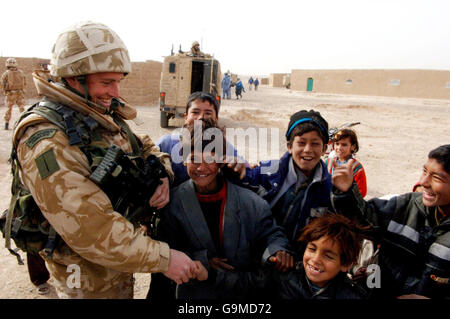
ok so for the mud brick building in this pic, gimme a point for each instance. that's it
(426, 84)
(276, 79)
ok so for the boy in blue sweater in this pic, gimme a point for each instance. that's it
(298, 185)
(200, 105)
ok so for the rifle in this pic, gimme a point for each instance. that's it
(129, 187)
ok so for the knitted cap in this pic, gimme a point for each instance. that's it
(310, 116)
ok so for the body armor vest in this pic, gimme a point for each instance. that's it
(25, 223)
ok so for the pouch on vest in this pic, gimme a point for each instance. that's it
(30, 231)
(24, 223)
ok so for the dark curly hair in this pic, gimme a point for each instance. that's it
(346, 233)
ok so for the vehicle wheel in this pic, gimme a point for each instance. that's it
(164, 120)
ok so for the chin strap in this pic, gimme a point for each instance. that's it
(115, 104)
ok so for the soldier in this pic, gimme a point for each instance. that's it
(99, 248)
(13, 83)
(195, 49)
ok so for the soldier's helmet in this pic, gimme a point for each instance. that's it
(11, 63)
(87, 48)
(195, 43)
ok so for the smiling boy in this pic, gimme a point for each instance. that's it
(332, 243)
(229, 229)
(298, 185)
(199, 105)
(414, 228)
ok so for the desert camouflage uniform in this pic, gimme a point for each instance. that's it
(106, 247)
(13, 82)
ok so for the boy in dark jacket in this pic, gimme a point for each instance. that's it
(414, 229)
(298, 185)
(229, 229)
(199, 105)
(332, 243)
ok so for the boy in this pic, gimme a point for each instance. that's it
(200, 105)
(298, 185)
(332, 243)
(415, 229)
(229, 229)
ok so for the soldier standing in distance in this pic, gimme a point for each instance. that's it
(13, 83)
(99, 248)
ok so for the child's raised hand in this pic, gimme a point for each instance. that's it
(342, 177)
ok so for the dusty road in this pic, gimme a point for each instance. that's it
(395, 137)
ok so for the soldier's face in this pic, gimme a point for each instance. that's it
(103, 87)
(200, 110)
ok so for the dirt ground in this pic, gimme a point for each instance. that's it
(395, 136)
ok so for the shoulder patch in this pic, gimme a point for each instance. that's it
(40, 135)
(46, 164)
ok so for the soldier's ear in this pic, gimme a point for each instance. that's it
(74, 83)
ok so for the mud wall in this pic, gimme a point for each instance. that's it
(428, 84)
(276, 79)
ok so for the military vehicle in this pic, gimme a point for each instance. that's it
(182, 75)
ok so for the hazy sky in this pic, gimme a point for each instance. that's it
(249, 37)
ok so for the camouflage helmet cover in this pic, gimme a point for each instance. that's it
(87, 48)
(195, 43)
(11, 62)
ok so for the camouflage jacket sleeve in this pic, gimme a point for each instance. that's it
(24, 79)
(80, 212)
(3, 81)
(149, 148)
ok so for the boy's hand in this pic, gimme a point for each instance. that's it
(360, 274)
(282, 260)
(235, 165)
(342, 177)
(220, 263)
